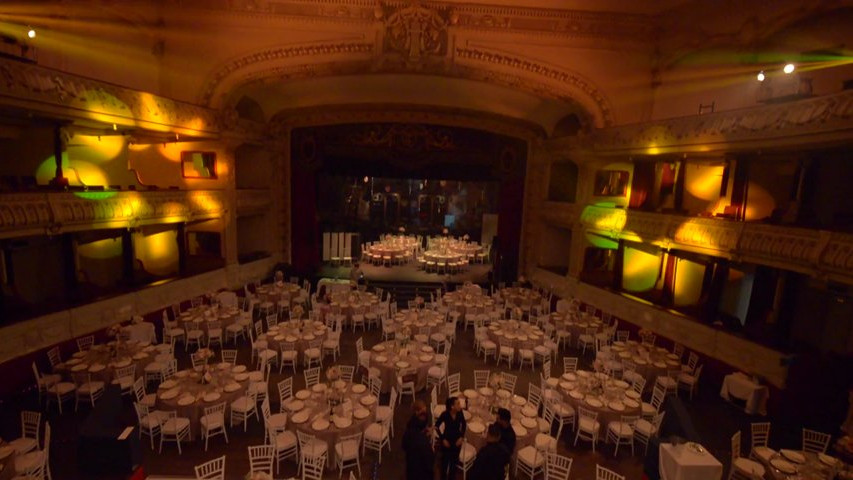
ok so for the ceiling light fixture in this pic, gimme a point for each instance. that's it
(760, 77)
(789, 68)
(31, 32)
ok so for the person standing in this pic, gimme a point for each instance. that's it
(451, 436)
(504, 422)
(493, 458)
(420, 461)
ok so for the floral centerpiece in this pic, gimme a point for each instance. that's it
(336, 389)
(403, 338)
(518, 312)
(115, 332)
(204, 355)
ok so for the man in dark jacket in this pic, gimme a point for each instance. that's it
(492, 459)
(504, 422)
(450, 427)
(420, 461)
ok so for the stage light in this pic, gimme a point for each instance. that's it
(366, 179)
(789, 68)
(760, 76)
(115, 127)
(31, 33)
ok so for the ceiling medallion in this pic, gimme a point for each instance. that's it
(416, 32)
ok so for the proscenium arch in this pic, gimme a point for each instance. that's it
(523, 74)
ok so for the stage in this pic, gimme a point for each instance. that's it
(409, 273)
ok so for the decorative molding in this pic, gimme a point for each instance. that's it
(735, 351)
(253, 201)
(414, 32)
(57, 212)
(576, 88)
(818, 119)
(54, 93)
(815, 252)
(234, 67)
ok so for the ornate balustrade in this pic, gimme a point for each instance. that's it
(58, 212)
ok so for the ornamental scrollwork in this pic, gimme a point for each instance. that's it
(415, 32)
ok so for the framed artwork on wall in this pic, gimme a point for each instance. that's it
(198, 164)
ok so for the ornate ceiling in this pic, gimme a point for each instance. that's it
(533, 62)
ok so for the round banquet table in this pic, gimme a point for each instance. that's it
(390, 358)
(464, 302)
(298, 332)
(417, 319)
(392, 251)
(347, 303)
(610, 398)
(185, 394)
(808, 465)
(515, 334)
(465, 249)
(200, 317)
(481, 405)
(573, 325)
(442, 256)
(311, 412)
(521, 297)
(280, 293)
(102, 360)
(651, 362)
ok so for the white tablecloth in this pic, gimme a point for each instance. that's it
(740, 386)
(682, 463)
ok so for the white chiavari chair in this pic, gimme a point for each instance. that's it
(261, 459)
(760, 436)
(213, 423)
(376, 437)
(29, 439)
(312, 376)
(173, 428)
(212, 470)
(644, 430)
(814, 441)
(347, 451)
(588, 426)
(84, 344)
(36, 463)
(243, 408)
(602, 473)
(622, 432)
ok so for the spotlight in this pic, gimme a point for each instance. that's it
(366, 179)
(31, 33)
(789, 68)
(760, 76)
(115, 127)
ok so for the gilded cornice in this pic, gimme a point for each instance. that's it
(815, 252)
(57, 212)
(58, 94)
(817, 120)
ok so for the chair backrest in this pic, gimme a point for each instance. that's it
(760, 433)
(692, 360)
(639, 384)
(814, 441)
(546, 368)
(453, 382)
(30, 423)
(534, 395)
(584, 412)
(622, 335)
(658, 420)
(548, 415)
(285, 390)
(272, 320)
(658, 395)
(197, 359)
(602, 473)
(229, 356)
(214, 409)
(313, 466)
(559, 467)
(355, 437)
(261, 458)
(212, 470)
(259, 329)
(678, 350)
(359, 346)
(735, 447)
(46, 442)
(125, 372)
(139, 389)
(312, 376)
(392, 399)
(375, 385)
(508, 381)
(570, 364)
(85, 343)
(54, 357)
(481, 378)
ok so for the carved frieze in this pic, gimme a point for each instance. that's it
(415, 32)
(57, 212)
(814, 117)
(79, 97)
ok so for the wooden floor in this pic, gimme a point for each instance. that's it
(714, 419)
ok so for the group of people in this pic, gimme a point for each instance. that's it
(492, 459)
